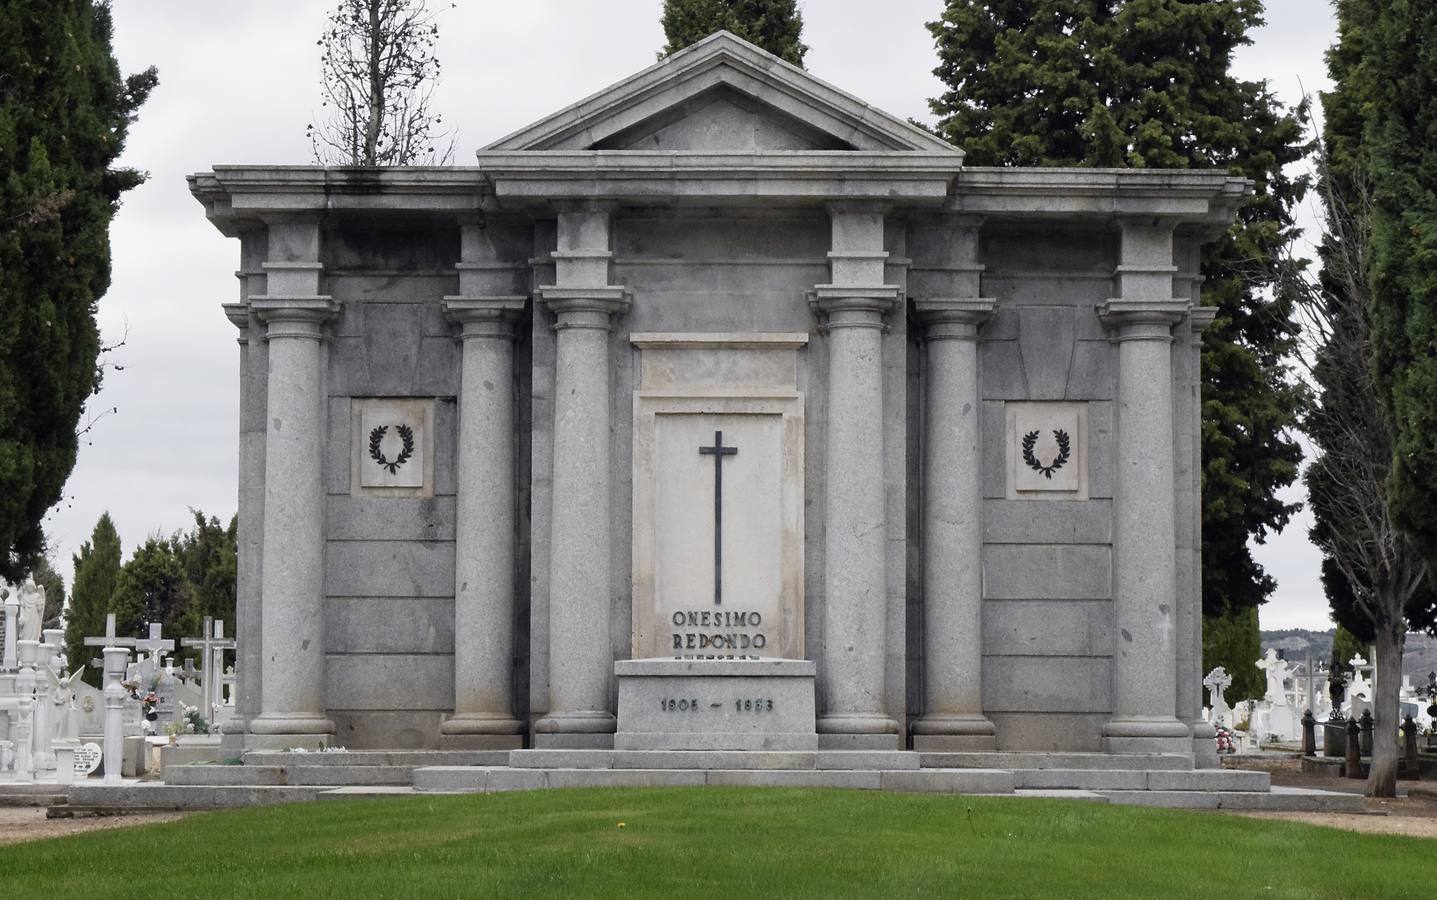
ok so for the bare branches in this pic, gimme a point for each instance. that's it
(379, 70)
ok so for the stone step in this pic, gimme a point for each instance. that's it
(1008, 759)
(470, 779)
(31, 794)
(1060, 794)
(1142, 780)
(288, 775)
(409, 758)
(712, 759)
(167, 796)
(364, 792)
(1283, 799)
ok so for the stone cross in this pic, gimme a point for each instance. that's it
(1218, 681)
(110, 639)
(212, 645)
(1276, 670)
(718, 451)
(189, 672)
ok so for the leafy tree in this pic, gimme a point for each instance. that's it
(1375, 577)
(1231, 640)
(379, 70)
(1146, 83)
(97, 570)
(64, 114)
(152, 588)
(209, 556)
(774, 25)
(1400, 133)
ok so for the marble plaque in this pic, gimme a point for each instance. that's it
(1047, 450)
(393, 450)
(718, 568)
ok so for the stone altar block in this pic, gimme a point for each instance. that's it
(688, 704)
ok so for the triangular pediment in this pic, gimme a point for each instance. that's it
(722, 94)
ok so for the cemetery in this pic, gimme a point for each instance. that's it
(719, 429)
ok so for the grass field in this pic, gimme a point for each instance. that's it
(735, 843)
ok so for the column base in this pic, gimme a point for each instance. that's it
(481, 724)
(1157, 734)
(857, 731)
(301, 729)
(584, 729)
(954, 732)
(1205, 746)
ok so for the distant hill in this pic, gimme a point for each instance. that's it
(1296, 644)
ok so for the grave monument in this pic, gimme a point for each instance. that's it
(719, 410)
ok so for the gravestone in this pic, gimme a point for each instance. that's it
(1217, 682)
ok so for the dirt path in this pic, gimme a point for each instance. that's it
(1414, 815)
(28, 823)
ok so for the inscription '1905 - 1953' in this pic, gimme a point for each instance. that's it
(691, 704)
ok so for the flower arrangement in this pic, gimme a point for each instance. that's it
(149, 706)
(1225, 741)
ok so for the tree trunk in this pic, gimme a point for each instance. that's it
(376, 41)
(1387, 672)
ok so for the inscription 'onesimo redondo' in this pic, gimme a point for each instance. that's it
(718, 634)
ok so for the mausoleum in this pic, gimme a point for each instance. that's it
(720, 411)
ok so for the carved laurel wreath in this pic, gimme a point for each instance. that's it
(1064, 451)
(406, 434)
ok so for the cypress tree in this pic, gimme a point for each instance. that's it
(97, 569)
(1146, 83)
(208, 553)
(1400, 134)
(774, 25)
(1231, 640)
(64, 112)
(152, 588)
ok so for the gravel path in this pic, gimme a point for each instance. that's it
(28, 823)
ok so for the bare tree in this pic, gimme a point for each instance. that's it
(379, 69)
(1373, 572)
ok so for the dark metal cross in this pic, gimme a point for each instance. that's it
(718, 451)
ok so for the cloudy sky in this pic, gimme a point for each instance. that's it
(238, 84)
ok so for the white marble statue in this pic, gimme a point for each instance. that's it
(32, 611)
(1217, 681)
(1276, 671)
(67, 715)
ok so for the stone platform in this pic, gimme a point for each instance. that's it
(1166, 780)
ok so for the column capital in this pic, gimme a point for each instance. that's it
(1142, 320)
(484, 317)
(853, 306)
(238, 314)
(1200, 318)
(585, 307)
(953, 318)
(294, 317)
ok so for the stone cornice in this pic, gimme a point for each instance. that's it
(1204, 198)
(530, 178)
(1142, 320)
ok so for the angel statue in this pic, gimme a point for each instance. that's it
(32, 611)
(67, 716)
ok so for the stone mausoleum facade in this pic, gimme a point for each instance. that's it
(720, 410)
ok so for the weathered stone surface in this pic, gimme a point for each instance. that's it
(349, 518)
(1047, 572)
(417, 625)
(1048, 628)
(389, 681)
(1045, 341)
(389, 569)
(1040, 684)
(1070, 522)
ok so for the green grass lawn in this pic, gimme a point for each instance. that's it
(740, 844)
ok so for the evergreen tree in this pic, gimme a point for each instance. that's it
(64, 113)
(1400, 135)
(209, 555)
(152, 588)
(97, 569)
(774, 25)
(1231, 640)
(1146, 83)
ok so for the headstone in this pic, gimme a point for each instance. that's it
(87, 758)
(1218, 681)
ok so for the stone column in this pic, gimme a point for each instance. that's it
(116, 659)
(484, 528)
(251, 523)
(1204, 735)
(9, 661)
(1144, 553)
(855, 588)
(580, 660)
(952, 532)
(292, 581)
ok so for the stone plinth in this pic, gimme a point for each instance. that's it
(684, 704)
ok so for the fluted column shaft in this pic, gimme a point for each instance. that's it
(292, 681)
(484, 523)
(952, 532)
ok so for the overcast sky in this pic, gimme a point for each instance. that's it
(238, 84)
